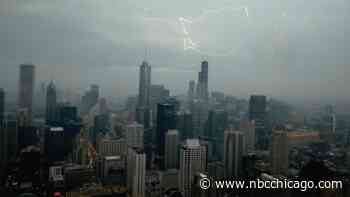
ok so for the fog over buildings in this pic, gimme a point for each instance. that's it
(295, 50)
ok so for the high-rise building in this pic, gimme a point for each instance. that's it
(204, 80)
(199, 110)
(136, 172)
(158, 94)
(3, 148)
(144, 85)
(67, 113)
(248, 128)
(233, 153)
(202, 86)
(54, 144)
(184, 124)
(328, 124)
(192, 161)
(171, 149)
(89, 99)
(51, 104)
(143, 115)
(191, 90)
(214, 132)
(134, 135)
(166, 120)
(2, 106)
(110, 147)
(11, 127)
(279, 153)
(257, 112)
(26, 88)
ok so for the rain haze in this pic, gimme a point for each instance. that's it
(294, 50)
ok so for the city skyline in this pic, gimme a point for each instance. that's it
(228, 98)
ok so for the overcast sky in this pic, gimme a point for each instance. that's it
(293, 49)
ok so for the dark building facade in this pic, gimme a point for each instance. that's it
(51, 104)
(184, 124)
(166, 119)
(68, 114)
(2, 106)
(54, 144)
(214, 132)
(27, 136)
(26, 88)
(257, 112)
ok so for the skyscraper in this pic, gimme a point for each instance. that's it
(90, 99)
(54, 144)
(279, 153)
(192, 161)
(166, 119)
(257, 112)
(171, 149)
(202, 86)
(143, 115)
(204, 80)
(184, 124)
(248, 128)
(144, 84)
(215, 128)
(26, 88)
(134, 135)
(136, 172)
(2, 106)
(233, 153)
(191, 90)
(199, 110)
(51, 104)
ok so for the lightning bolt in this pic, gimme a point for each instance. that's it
(189, 44)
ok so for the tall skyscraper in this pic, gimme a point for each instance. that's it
(257, 112)
(233, 153)
(192, 161)
(26, 88)
(134, 135)
(248, 128)
(11, 128)
(2, 106)
(199, 110)
(191, 90)
(184, 124)
(279, 153)
(202, 86)
(144, 84)
(171, 149)
(136, 172)
(51, 104)
(204, 80)
(54, 144)
(143, 106)
(166, 120)
(90, 99)
(214, 132)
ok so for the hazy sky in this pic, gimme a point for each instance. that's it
(293, 49)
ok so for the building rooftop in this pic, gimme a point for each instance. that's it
(56, 129)
(116, 157)
(173, 132)
(191, 143)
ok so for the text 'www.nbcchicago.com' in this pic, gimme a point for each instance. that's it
(206, 183)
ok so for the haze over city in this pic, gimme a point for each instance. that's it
(186, 98)
(294, 50)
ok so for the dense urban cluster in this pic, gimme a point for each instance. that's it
(157, 144)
